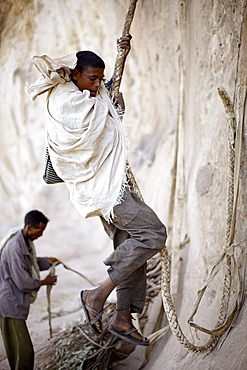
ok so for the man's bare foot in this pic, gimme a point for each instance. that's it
(93, 303)
(93, 311)
(94, 300)
(122, 327)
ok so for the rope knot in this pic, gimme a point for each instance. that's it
(229, 250)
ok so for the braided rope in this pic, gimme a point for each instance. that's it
(224, 322)
(117, 78)
(171, 313)
(118, 69)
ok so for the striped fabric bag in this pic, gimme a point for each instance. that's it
(50, 176)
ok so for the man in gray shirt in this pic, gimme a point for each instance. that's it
(19, 283)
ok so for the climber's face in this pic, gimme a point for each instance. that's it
(88, 79)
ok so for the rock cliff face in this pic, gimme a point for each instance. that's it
(177, 130)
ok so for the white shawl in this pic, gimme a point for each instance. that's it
(86, 144)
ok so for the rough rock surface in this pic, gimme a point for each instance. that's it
(182, 51)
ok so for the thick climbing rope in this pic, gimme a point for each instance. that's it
(118, 69)
(227, 260)
(117, 77)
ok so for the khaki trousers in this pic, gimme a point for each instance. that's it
(17, 343)
(138, 235)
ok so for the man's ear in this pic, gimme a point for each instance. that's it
(28, 228)
(75, 74)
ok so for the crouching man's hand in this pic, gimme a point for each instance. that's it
(49, 280)
(53, 260)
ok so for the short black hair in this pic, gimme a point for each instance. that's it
(33, 218)
(88, 59)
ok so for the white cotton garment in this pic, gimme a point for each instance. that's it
(54, 71)
(87, 148)
(85, 137)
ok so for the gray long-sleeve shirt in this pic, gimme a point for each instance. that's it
(16, 282)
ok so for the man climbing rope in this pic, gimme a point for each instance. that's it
(19, 283)
(88, 151)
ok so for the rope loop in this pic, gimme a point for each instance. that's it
(229, 250)
(234, 273)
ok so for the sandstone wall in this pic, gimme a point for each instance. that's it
(175, 123)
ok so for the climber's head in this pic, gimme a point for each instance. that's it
(88, 72)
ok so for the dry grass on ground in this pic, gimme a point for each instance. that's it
(78, 348)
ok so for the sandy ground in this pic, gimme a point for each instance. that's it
(81, 248)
